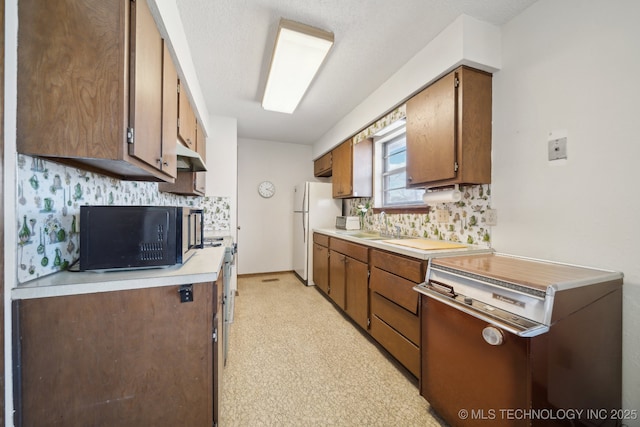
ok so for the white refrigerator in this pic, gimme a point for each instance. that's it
(314, 207)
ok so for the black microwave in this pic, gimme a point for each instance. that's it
(129, 237)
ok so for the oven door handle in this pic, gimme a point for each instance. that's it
(521, 332)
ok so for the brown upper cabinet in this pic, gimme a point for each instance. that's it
(90, 87)
(322, 166)
(186, 119)
(201, 148)
(169, 113)
(449, 131)
(190, 183)
(352, 169)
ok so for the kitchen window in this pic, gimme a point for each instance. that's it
(391, 169)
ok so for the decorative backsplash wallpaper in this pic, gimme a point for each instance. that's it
(48, 210)
(466, 218)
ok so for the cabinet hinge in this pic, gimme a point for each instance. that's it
(130, 135)
(368, 321)
(214, 336)
(368, 273)
(178, 88)
(455, 166)
(456, 82)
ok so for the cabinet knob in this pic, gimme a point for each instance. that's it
(409, 179)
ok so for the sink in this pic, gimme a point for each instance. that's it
(366, 235)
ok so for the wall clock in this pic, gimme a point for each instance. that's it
(266, 189)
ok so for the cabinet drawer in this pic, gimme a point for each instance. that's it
(321, 239)
(394, 288)
(401, 348)
(409, 268)
(359, 252)
(403, 321)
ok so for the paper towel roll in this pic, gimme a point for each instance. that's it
(441, 196)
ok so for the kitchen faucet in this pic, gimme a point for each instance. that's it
(385, 231)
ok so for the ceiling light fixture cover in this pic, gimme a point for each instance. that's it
(297, 56)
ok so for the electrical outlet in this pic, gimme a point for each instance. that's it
(442, 215)
(491, 216)
(558, 149)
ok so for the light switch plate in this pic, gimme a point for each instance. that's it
(558, 148)
(491, 216)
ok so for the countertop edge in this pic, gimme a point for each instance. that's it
(204, 266)
(405, 250)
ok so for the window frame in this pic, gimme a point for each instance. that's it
(382, 141)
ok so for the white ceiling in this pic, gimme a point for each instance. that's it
(231, 43)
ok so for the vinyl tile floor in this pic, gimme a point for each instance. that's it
(296, 360)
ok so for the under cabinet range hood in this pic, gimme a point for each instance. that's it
(189, 160)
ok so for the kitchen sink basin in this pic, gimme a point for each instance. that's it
(367, 235)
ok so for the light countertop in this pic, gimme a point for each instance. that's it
(204, 266)
(351, 235)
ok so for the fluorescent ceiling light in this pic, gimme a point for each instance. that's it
(297, 56)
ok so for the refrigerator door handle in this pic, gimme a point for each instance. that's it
(304, 212)
(304, 228)
(304, 199)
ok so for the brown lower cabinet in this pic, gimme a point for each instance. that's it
(395, 316)
(321, 262)
(375, 289)
(349, 279)
(126, 358)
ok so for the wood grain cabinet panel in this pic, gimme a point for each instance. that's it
(449, 131)
(395, 315)
(90, 87)
(352, 169)
(190, 183)
(201, 148)
(321, 267)
(322, 167)
(169, 113)
(349, 279)
(186, 119)
(125, 358)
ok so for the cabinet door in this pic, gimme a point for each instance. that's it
(357, 290)
(201, 148)
(126, 358)
(352, 169)
(342, 172)
(146, 86)
(71, 60)
(186, 119)
(431, 133)
(337, 278)
(323, 165)
(169, 113)
(321, 267)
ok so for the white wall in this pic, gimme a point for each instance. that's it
(265, 238)
(222, 162)
(573, 65)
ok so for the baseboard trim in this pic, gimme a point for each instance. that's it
(240, 276)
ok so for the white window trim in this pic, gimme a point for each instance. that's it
(378, 167)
